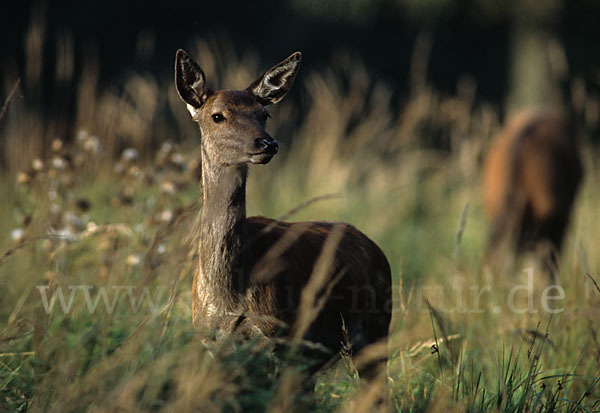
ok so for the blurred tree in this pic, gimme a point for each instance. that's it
(538, 64)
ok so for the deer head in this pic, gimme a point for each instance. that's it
(232, 122)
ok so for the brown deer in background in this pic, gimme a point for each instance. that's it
(531, 177)
(324, 282)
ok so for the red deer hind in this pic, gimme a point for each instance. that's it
(531, 177)
(256, 274)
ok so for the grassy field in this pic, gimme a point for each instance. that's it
(114, 229)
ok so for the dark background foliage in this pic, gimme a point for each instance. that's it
(468, 37)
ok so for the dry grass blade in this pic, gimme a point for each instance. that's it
(11, 251)
(8, 100)
(320, 284)
(25, 242)
(271, 263)
(288, 385)
(368, 399)
(371, 353)
(306, 204)
(421, 345)
(23, 353)
(530, 335)
(594, 281)
(461, 229)
(462, 224)
(444, 326)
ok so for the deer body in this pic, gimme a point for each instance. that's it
(253, 272)
(531, 177)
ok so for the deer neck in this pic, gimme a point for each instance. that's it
(221, 268)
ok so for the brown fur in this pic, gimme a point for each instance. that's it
(531, 177)
(359, 299)
(253, 272)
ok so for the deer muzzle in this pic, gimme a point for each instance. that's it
(266, 148)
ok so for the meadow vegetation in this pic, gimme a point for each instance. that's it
(113, 210)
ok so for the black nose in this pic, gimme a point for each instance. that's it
(269, 145)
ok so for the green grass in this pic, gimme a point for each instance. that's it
(139, 233)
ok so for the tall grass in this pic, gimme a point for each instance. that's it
(101, 209)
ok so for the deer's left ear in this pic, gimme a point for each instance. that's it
(190, 81)
(276, 82)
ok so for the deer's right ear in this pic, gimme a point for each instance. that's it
(276, 82)
(190, 81)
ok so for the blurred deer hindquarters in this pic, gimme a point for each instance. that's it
(318, 281)
(531, 177)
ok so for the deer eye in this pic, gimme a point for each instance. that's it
(218, 117)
